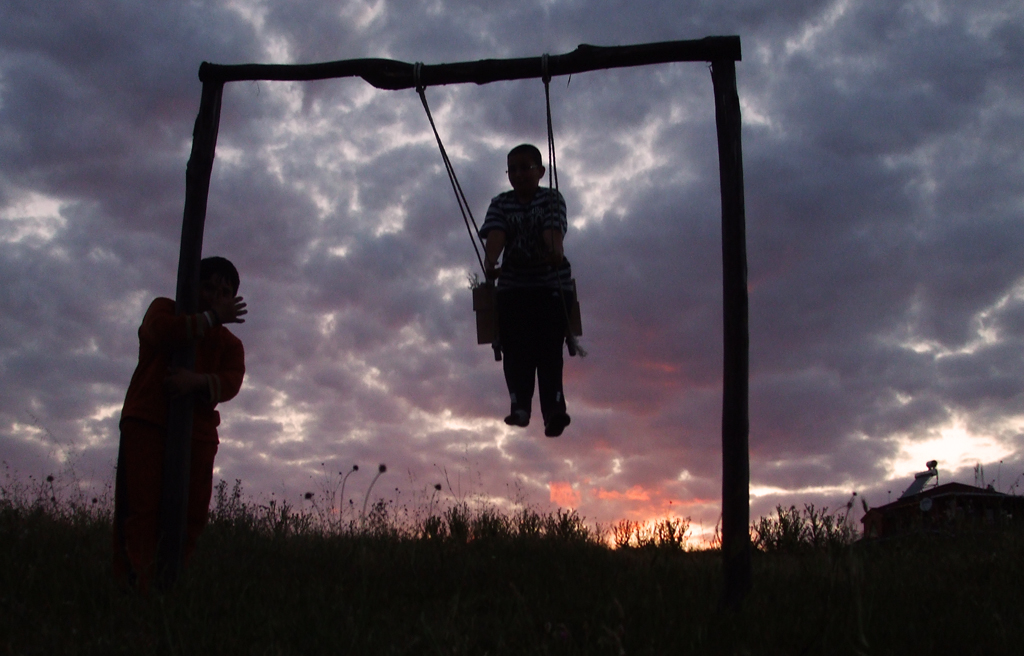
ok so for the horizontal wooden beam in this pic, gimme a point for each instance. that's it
(392, 74)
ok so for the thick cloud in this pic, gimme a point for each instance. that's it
(882, 161)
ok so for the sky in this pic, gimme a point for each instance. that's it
(883, 152)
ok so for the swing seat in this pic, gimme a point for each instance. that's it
(485, 305)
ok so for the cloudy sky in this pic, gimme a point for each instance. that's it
(882, 146)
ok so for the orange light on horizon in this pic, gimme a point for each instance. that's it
(635, 493)
(697, 501)
(563, 494)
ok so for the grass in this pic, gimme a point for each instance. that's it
(460, 579)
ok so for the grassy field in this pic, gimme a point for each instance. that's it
(462, 580)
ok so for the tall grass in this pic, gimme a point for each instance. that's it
(466, 578)
(791, 530)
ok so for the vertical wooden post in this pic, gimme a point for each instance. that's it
(178, 442)
(735, 420)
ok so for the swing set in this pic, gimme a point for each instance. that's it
(721, 52)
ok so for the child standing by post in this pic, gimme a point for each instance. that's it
(526, 226)
(220, 366)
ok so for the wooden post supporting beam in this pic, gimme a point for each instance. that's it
(735, 418)
(178, 442)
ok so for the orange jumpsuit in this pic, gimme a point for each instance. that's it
(220, 356)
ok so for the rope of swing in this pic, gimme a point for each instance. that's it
(460, 198)
(571, 342)
(552, 169)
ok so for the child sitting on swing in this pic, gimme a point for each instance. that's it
(526, 226)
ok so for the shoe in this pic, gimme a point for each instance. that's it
(554, 426)
(519, 418)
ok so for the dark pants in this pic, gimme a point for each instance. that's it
(532, 323)
(137, 490)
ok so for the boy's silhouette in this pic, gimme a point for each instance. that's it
(220, 366)
(526, 226)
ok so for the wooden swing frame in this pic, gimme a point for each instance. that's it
(721, 52)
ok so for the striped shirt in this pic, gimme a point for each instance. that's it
(525, 261)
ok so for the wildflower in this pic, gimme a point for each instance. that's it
(49, 479)
(380, 470)
(308, 496)
(344, 479)
(437, 486)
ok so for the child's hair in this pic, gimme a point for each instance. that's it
(211, 266)
(529, 149)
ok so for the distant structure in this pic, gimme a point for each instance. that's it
(949, 507)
